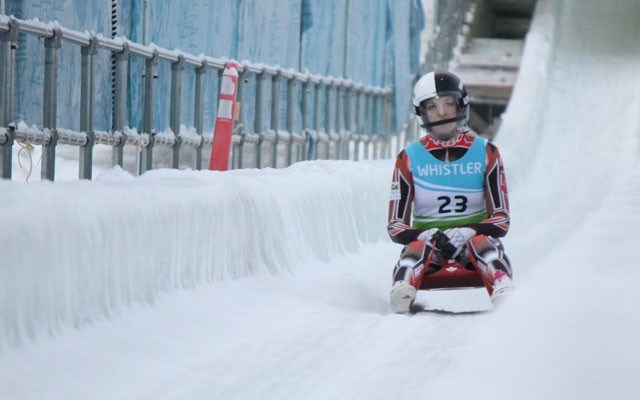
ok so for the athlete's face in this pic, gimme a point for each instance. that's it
(441, 108)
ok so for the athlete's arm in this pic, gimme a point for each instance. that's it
(401, 203)
(496, 197)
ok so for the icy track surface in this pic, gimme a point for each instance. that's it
(273, 284)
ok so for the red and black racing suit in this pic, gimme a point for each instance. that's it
(419, 259)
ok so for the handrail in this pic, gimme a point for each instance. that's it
(303, 90)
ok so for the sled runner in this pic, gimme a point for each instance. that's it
(453, 289)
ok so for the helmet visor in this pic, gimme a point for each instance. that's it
(444, 103)
(444, 108)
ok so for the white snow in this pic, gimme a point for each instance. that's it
(273, 284)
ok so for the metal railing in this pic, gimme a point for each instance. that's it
(357, 118)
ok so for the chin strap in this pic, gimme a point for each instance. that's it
(442, 122)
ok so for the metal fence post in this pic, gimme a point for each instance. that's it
(120, 103)
(275, 115)
(8, 44)
(384, 135)
(346, 133)
(367, 123)
(50, 99)
(291, 82)
(375, 134)
(327, 118)
(174, 111)
(348, 119)
(198, 112)
(304, 107)
(338, 121)
(150, 76)
(86, 109)
(356, 123)
(257, 124)
(237, 160)
(316, 116)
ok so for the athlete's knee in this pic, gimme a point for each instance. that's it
(411, 263)
(489, 251)
(483, 246)
(413, 251)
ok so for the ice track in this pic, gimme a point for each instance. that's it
(294, 305)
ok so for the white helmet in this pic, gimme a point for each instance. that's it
(437, 84)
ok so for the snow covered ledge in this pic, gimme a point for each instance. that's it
(72, 252)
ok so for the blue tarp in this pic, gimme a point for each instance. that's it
(375, 42)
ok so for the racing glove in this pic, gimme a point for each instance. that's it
(458, 237)
(426, 236)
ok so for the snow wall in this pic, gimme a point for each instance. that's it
(571, 144)
(76, 254)
(73, 252)
(565, 140)
(374, 42)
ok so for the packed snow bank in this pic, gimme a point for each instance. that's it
(75, 251)
(569, 330)
(572, 128)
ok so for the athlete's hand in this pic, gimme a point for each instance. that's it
(459, 237)
(426, 236)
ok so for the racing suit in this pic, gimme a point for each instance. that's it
(457, 183)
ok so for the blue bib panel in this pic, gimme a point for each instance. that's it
(448, 194)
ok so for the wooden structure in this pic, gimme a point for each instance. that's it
(489, 56)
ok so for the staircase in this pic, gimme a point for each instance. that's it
(489, 57)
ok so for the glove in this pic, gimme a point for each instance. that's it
(458, 237)
(425, 236)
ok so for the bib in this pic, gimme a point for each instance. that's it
(448, 194)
